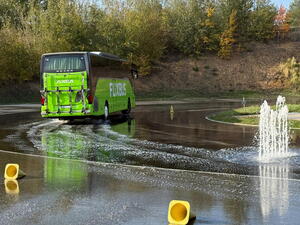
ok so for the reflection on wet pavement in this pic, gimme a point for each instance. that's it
(115, 143)
(274, 189)
(11, 187)
(59, 191)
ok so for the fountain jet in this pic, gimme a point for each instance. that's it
(273, 130)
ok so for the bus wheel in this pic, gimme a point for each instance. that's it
(106, 111)
(127, 111)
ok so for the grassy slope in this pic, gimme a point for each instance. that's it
(253, 70)
(173, 94)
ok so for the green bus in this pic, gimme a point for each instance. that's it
(85, 84)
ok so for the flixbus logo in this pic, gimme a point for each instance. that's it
(117, 89)
(65, 81)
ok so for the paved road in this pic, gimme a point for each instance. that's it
(62, 191)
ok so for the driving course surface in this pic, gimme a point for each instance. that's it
(126, 170)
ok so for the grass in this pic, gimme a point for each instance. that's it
(232, 116)
(258, 94)
(249, 115)
(294, 123)
(235, 115)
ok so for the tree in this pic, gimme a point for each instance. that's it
(281, 23)
(195, 26)
(243, 9)
(18, 55)
(294, 13)
(227, 38)
(209, 39)
(145, 32)
(280, 18)
(58, 31)
(262, 20)
(139, 30)
(184, 18)
(10, 13)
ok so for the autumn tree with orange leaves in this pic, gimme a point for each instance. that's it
(281, 23)
(227, 38)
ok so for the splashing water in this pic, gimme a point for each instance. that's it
(273, 130)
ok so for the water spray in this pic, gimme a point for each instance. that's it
(273, 130)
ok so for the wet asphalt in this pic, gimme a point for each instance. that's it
(127, 169)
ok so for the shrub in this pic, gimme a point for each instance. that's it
(291, 71)
(139, 30)
(18, 56)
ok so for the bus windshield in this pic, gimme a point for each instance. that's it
(63, 63)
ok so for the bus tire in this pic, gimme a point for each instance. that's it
(128, 110)
(106, 111)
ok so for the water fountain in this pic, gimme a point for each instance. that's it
(273, 130)
(273, 143)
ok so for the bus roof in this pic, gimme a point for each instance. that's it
(99, 54)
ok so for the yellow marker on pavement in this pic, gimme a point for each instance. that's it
(171, 109)
(13, 172)
(171, 112)
(179, 212)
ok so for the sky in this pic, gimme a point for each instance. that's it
(285, 3)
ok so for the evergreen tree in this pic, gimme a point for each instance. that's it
(243, 16)
(262, 20)
(294, 13)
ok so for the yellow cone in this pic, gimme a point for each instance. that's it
(171, 109)
(13, 172)
(179, 212)
(171, 112)
(172, 116)
(11, 187)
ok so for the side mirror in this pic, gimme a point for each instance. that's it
(134, 75)
(134, 72)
